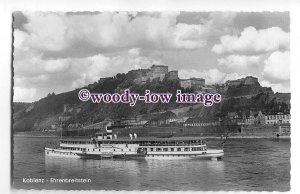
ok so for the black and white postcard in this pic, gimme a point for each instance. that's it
(151, 100)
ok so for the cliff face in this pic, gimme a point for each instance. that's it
(45, 113)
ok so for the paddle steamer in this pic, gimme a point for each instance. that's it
(103, 146)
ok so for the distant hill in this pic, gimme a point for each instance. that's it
(45, 113)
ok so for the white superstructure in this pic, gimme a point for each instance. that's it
(148, 148)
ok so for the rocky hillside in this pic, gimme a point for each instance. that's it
(45, 113)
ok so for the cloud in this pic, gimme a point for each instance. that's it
(234, 62)
(220, 22)
(19, 37)
(277, 66)
(283, 87)
(57, 52)
(264, 53)
(134, 52)
(59, 75)
(189, 36)
(46, 31)
(110, 30)
(254, 41)
(59, 35)
(22, 94)
(211, 76)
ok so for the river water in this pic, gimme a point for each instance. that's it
(248, 165)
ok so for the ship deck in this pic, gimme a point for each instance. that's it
(139, 139)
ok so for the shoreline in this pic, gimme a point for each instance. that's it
(206, 137)
(35, 136)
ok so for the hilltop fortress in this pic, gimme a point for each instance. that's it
(249, 80)
(160, 72)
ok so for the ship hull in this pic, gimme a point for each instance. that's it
(210, 154)
(60, 153)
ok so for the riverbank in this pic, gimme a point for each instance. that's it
(36, 134)
(246, 137)
(57, 134)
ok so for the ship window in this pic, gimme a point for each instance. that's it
(178, 149)
(172, 149)
(186, 149)
(151, 149)
(158, 149)
(165, 149)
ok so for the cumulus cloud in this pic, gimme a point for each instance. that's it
(239, 61)
(211, 76)
(59, 75)
(24, 94)
(134, 52)
(254, 41)
(264, 53)
(219, 23)
(110, 30)
(189, 36)
(58, 52)
(283, 87)
(47, 31)
(58, 35)
(277, 66)
(19, 37)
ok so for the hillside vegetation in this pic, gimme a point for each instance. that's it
(42, 114)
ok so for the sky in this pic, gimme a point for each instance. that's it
(60, 51)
